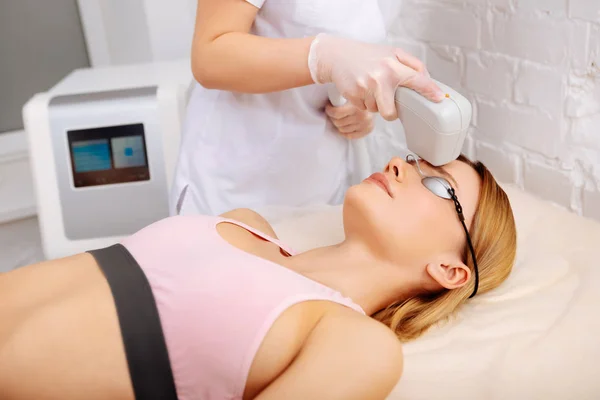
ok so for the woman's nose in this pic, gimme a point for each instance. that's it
(397, 168)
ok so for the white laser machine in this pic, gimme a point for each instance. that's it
(103, 145)
(434, 131)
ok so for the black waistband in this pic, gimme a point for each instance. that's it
(143, 339)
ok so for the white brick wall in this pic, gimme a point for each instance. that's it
(490, 75)
(547, 182)
(539, 86)
(588, 10)
(532, 69)
(591, 199)
(454, 25)
(527, 37)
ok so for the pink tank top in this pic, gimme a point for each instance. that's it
(216, 302)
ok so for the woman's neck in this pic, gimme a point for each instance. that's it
(355, 272)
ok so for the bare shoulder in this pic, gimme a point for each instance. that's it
(346, 356)
(372, 345)
(251, 218)
(364, 339)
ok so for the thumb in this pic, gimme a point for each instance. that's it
(423, 85)
(346, 110)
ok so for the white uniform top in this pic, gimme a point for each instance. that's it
(279, 149)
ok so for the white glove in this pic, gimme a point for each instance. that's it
(351, 122)
(367, 75)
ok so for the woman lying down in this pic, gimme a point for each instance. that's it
(198, 307)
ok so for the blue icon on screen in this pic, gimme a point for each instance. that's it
(128, 151)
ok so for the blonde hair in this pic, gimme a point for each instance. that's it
(494, 238)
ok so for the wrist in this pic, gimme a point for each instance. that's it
(320, 72)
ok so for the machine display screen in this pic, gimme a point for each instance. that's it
(108, 155)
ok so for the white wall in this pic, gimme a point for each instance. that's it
(532, 70)
(137, 31)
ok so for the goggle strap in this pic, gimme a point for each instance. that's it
(469, 243)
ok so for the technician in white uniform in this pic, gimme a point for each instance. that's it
(259, 128)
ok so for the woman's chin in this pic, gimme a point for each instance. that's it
(363, 206)
(356, 198)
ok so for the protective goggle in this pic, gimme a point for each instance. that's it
(442, 188)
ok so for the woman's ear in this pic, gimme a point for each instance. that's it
(449, 275)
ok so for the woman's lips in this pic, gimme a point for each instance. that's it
(381, 180)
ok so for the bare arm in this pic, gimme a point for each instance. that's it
(226, 56)
(344, 358)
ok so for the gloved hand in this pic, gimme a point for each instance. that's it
(351, 122)
(367, 75)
